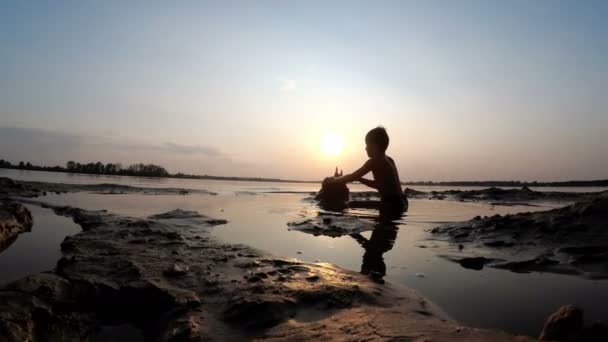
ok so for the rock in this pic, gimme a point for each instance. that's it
(474, 263)
(568, 230)
(259, 312)
(176, 270)
(566, 324)
(411, 193)
(14, 220)
(333, 226)
(597, 331)
(499, 243)
(14, 188)
(540, 263)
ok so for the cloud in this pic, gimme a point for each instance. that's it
(287, 84)
(192, 149)
(45, 145)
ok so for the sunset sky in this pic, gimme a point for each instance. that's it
(468, 90)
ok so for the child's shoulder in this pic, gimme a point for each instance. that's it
(380, 161)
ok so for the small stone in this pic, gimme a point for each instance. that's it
(254, 279)
(473, 263)
(176, 270)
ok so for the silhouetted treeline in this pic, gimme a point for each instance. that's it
(98, 168)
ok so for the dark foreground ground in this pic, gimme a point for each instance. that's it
(164, 278)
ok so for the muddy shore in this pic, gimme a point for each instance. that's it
(9, 187)
(569, 240)
(165, 278)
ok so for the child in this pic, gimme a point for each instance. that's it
(386, 177)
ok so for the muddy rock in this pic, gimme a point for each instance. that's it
(9, 187)
(571, 240)
(14, 220)
(331, 225)
(474, 263)
(499, 196)
(566, 324)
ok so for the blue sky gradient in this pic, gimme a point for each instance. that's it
(471, 90)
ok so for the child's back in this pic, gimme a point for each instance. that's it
(387, 178)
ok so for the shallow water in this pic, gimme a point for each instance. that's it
(490, 298)
(223, 187)
(36, 251)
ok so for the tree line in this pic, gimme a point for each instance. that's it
(152, 170)
(98, 168)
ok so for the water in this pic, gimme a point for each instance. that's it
(224, 187)
(258, 217)
(36, 251)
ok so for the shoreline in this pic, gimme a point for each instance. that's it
(138, 272)
(506, 184)
(205, 288)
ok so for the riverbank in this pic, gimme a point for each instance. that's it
(569, 240)
(165, 277)
(112, 237)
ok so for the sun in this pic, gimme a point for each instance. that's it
(331, 143)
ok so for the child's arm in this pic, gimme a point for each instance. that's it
(368, 182)
(362, 171)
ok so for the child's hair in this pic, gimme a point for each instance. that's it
(378, 137)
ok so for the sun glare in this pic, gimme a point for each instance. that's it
(331, 143)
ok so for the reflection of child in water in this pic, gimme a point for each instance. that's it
(382, 240)
(386, 177)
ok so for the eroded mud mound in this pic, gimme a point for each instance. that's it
(9, 187)
(332, 225)
(572, 239)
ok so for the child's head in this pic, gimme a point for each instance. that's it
(376, 142)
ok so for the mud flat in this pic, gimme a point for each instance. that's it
(571, 240)
(501, 196)
(35, 189)
(165, 278)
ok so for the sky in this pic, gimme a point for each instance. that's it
(467, 90)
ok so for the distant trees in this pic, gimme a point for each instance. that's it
(99, 168)
(147, 170)
(71, 165)
(5, 163)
